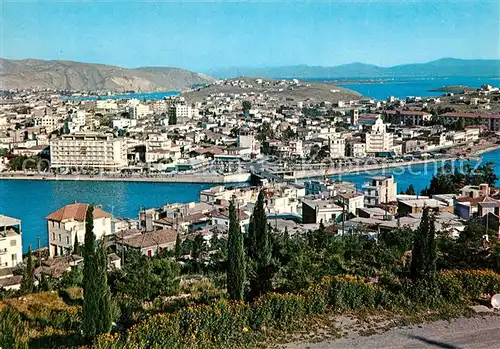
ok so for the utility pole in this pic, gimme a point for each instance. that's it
(39, 258)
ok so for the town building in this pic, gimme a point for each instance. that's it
(11, 249)
(380, 190)
(320, 211)
(88, 150)
(378, 139)
(68, 222)
(149, 243)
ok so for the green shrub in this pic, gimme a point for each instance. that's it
(13, 330)
(348, 292)
(279, 310)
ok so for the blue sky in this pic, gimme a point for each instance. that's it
(201, 35)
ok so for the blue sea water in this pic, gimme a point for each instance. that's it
(32, 201)
(403, 87)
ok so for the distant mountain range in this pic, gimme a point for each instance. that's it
(68, 75)
(445, 67)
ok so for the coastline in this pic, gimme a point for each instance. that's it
(199, 179)
(241, 177)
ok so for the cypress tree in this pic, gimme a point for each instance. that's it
(44, 283)
(76, 247)
(28, 281)
(259, 250)
(235, 257)
(424, 255)
(178, 246)
(96, 302)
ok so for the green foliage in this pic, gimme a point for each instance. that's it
(72, 277)
(13, 330)
(76, 247)
(178, 247)
(246, 106)
(449, 180)
(97, 295)
(265, 133)
(45, 284)
(410, 190)
(28, 281)
(423, 260)
(234, 324)
(259, 250)
(236, 273)
(144, 278)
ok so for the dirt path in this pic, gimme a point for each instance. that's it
(476, 332)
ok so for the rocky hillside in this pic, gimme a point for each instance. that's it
(274, 88)
(67, 75)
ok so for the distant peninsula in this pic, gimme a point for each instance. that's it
(458, 89)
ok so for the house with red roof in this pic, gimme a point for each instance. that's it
(68, 223)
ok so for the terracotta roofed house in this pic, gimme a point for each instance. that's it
(68, 222)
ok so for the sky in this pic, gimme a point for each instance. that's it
(207, 35)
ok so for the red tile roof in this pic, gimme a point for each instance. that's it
(75, 212)
(151, 238)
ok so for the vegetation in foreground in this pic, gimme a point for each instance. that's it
(275, 283)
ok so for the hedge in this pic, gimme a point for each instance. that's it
(237, 324)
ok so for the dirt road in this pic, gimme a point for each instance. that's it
(477, 332)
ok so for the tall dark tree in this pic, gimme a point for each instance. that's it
(28, 281)
(178, 247)
(410, 190)
(235, 257)
(97, 296)
(424, 255)
(259, 250)
(246, 106)
(76, 247)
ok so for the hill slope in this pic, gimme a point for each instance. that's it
(68, 75)
(306, 91)
(442, 67)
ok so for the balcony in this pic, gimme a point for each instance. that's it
(3, 250)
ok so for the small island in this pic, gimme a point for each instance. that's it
(458, 89)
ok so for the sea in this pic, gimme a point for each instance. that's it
(31, 201)
(378, 88)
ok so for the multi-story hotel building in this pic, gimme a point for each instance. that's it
(378, 139)
(88, 150)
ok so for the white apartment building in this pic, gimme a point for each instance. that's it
(106, 105)
(378, 139)
(182, 112)
(50, 122)
(296, 148)
(246, 139)
(11, 248)
(88, 150)
(77, 121)
(337, 146)
(138, 110)
(356, 149)
(380, 190)
(68, 222)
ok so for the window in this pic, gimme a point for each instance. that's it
(60, 238)
(53, 236)
(67, 240)
(14, 257)
(13, 242)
